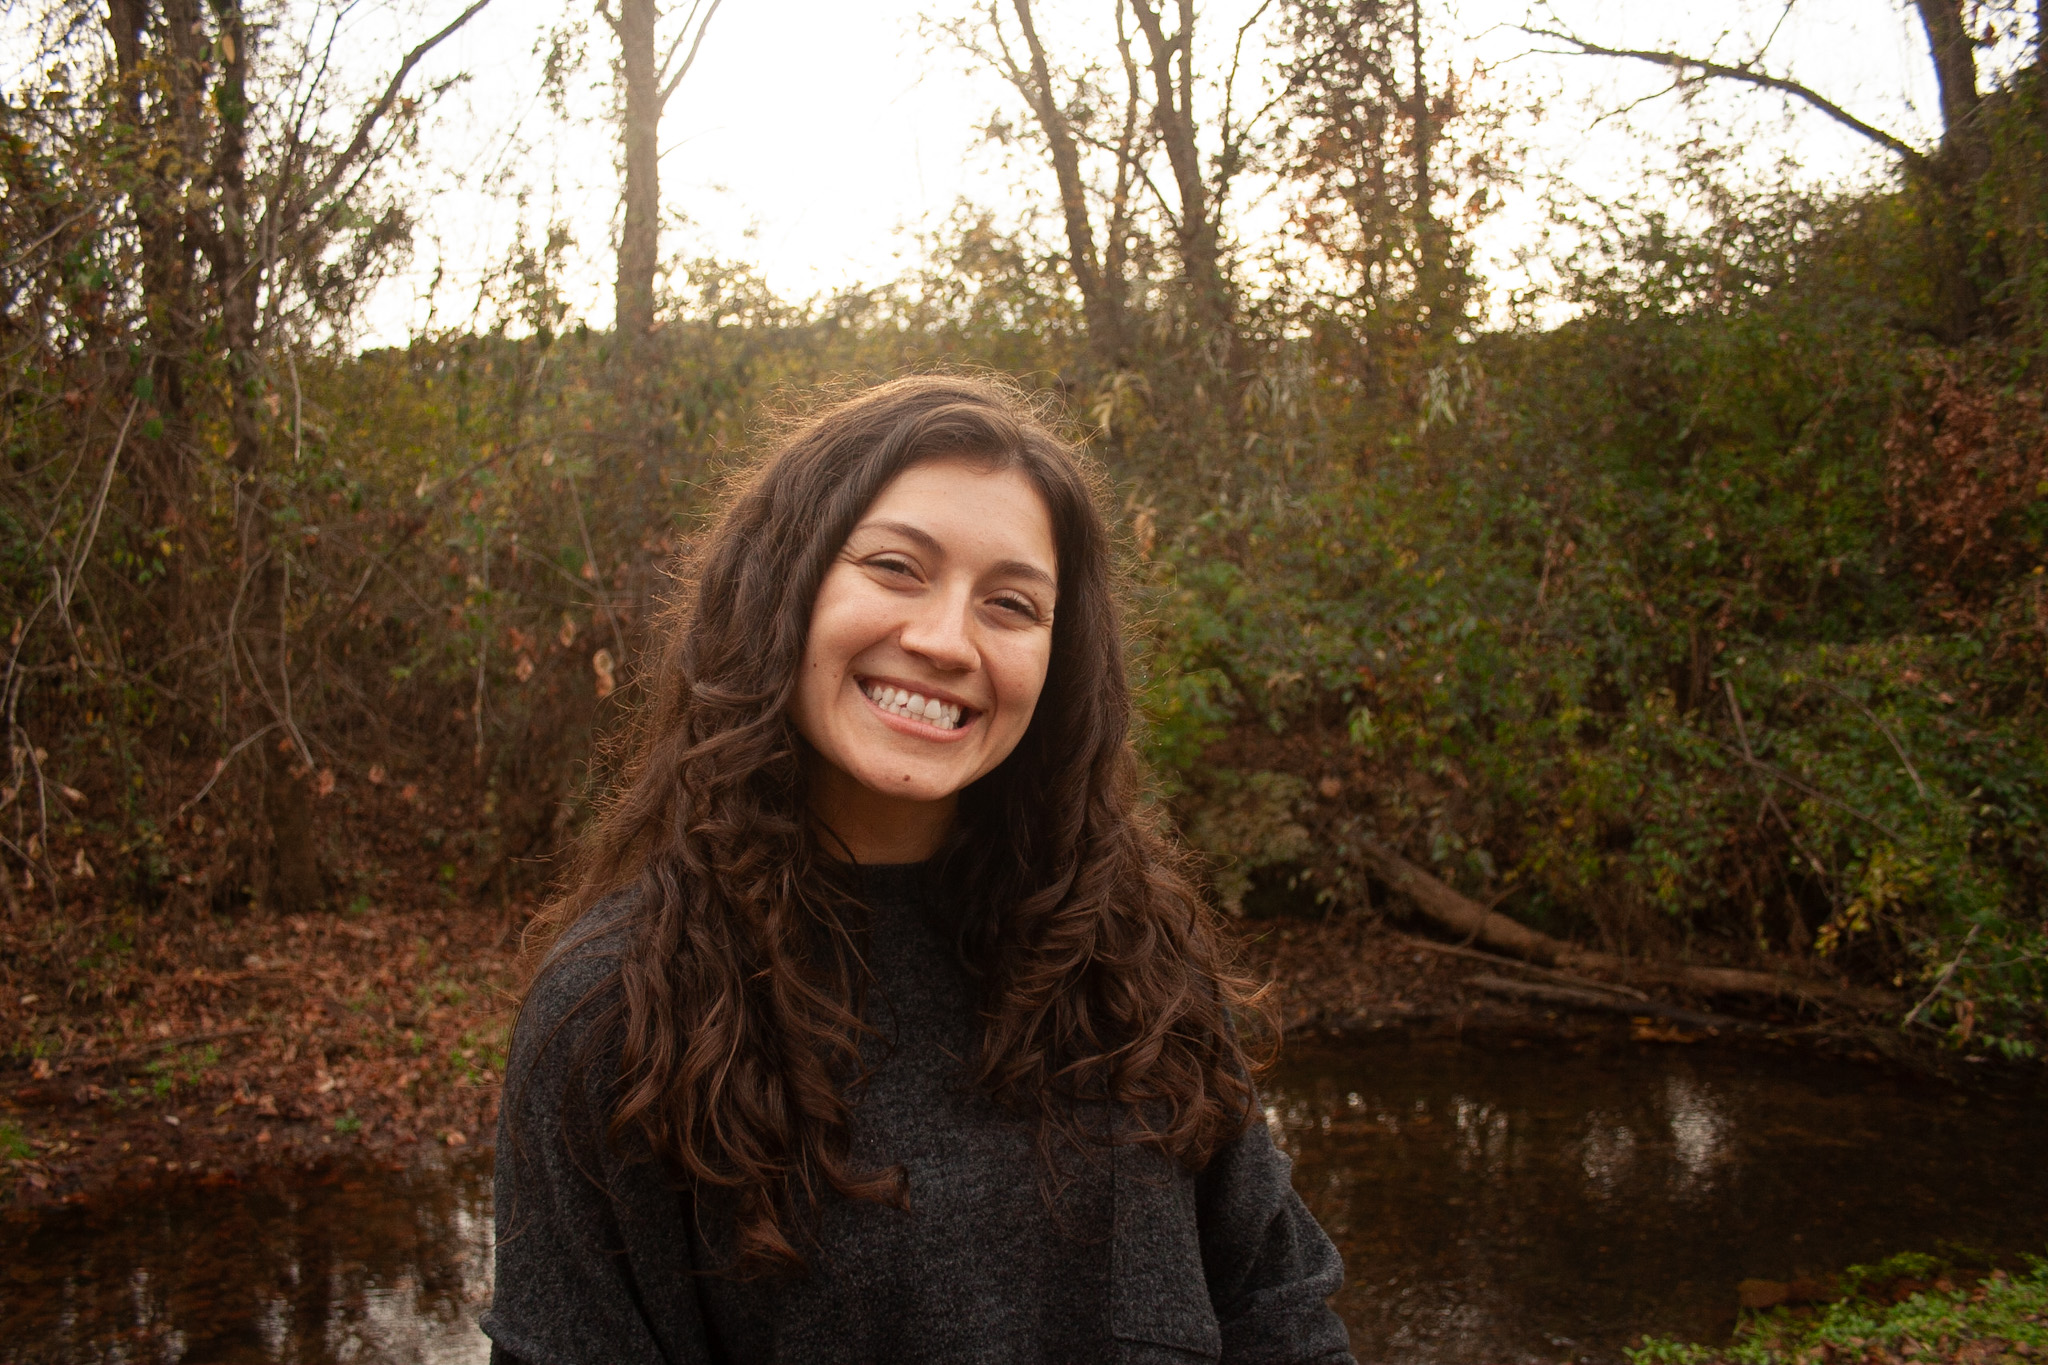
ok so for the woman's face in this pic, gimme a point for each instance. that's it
(928, 647)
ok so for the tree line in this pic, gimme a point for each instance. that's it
(1705, 625)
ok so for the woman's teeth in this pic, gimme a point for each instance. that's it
(912, 706)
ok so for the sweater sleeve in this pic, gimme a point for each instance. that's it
(592, 1257)
(1270, 1267)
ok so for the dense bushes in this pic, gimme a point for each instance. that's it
(1710, 623)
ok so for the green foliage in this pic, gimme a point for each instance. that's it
(1246, 823)
(183, 1069)
(14, 1143)
(2000, 1317)
(1711, 618)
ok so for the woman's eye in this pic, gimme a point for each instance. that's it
(1021, 606)
(896, 566)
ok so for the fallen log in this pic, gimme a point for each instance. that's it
(1571, 998)
(1475, 923)
(1556, 978)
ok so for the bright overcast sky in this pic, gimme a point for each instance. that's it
(815, 140)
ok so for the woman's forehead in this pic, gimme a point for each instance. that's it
(963, 505)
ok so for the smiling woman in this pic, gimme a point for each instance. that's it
(880, 1023)
(928, 647)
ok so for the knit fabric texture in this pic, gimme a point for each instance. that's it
(605, 1258)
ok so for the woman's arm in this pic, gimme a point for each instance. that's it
(592, 1258)
(1270, 1267)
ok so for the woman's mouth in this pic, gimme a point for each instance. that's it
(915, 706)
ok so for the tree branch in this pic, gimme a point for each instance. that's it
(1684, 65)
(361, 142)
(669, 86)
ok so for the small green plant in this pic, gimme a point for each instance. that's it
(183, 1068)
(348, 1124)
(14, 1144)
(441, 991)
(478, 1056)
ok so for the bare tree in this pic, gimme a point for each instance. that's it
(248, 180)
(648, 81)
(1098, 275)
(1172, 64)
(1103, 124)
(1946, 174)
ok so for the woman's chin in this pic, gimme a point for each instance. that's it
(910, 784)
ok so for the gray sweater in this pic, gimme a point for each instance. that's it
(600, 1254)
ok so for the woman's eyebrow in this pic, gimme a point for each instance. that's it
(1017, 568)
(924, 539)
(929, 544)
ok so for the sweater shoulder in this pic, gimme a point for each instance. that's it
(574, 993)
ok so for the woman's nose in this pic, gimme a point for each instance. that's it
(941, 631)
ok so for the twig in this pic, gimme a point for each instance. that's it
(359, 145)
(298, 408)
(1812, 791)
(590, 558)
(1571, 998)
(1748, 75)
(1942, 980)
(85, 1061)
(1545, 973)
(92, 525)
(1771, 801)
(284, 661)
(483, 656)
(18, 257)
(1884, 730)
(220, 766)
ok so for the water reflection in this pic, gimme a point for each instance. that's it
(353, 1266)
(1492, 1205)
(1495, 1204)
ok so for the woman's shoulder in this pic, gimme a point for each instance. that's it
(580, 974)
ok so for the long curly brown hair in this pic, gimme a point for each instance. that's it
(737, 1013)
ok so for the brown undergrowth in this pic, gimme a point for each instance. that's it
(199, 1038)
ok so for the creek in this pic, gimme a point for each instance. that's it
(1494, 1202)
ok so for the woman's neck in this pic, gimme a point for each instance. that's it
(863, 826)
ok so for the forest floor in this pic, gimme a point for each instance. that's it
(227, 1043)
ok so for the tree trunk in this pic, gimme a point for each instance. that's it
(1101, 295)
(1955, 72)
(161, 93)
(1952, 175)
(1432, 282)
(639, 130)
(1173, 79)
(292, 878)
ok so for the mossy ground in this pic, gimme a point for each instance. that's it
(1910, 1308)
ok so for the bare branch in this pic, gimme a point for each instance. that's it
(669, 86)
(360, 143)
(91, 529)
(1695, 68)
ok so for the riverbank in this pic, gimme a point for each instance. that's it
(1912, 1307)
(233, 1043)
